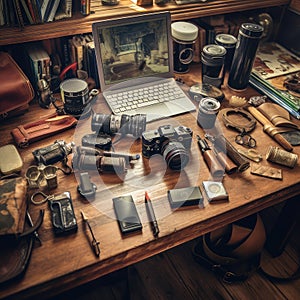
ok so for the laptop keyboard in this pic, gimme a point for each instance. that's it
(144, 96)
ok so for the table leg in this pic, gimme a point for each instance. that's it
(284, 226)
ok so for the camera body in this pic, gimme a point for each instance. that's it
(171, 142)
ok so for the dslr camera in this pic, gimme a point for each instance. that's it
(171, 142)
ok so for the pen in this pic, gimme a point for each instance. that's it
(151, 215)
(31, 225)
(94, 242)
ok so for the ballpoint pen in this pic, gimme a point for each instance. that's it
(151, 215)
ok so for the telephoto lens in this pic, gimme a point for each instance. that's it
(123, 124)
(83, 160)
(207, 112)
(244, 55)
(212, 59)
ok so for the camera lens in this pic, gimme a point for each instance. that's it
(175, 155)
(207, 113)
(124, 124)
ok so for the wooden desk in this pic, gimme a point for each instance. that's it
(62, 263)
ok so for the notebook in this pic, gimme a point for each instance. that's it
(134, 55)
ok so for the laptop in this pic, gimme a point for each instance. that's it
(135, 63)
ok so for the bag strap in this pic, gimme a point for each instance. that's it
(233, 251)
(237, 270)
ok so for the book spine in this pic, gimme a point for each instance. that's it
(19, 13)
(11, 13)
(64, 10)
(44, 7)
(31, 10)
(53, 11)
(2, 20)
(47, 11)
(36, 11)
(278, 93)
(68, 8)
(27, 12)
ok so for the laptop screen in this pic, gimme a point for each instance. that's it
(133, 47)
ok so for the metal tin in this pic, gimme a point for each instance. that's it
(282, 157)
(184, 35)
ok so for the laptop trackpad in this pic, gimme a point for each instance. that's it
(162, 110)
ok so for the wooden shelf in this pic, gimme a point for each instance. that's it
(79, 24)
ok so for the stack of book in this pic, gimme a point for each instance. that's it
(81, 49)
(273, 65)
(24, 12)
(39, 64)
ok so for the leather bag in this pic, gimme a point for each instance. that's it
(16, 90)
(16, 239)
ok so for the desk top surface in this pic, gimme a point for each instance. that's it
(65, 262)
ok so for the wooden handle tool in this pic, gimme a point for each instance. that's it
(270, 129)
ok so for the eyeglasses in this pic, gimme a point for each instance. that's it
(245, 139)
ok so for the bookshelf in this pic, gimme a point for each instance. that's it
(80, 24)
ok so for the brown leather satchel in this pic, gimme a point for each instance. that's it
(16, 239)
(16, 90)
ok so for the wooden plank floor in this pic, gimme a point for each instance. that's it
(175, 275)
